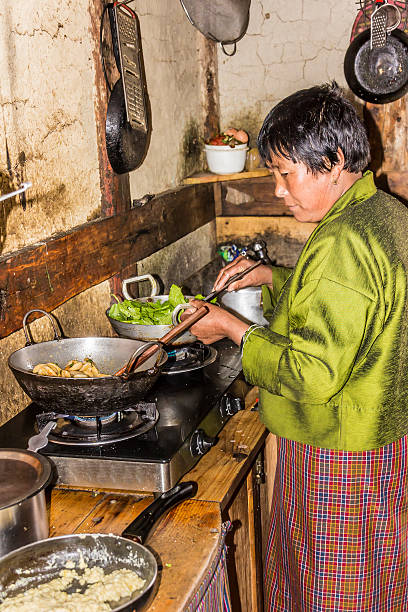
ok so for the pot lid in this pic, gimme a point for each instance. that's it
(22, 474)
(378, 75)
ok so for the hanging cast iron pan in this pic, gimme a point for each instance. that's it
(126, 146)
(42, 561)
(378, 75)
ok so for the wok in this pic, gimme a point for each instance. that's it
(84, 396)
(38, 563)
(147, 332)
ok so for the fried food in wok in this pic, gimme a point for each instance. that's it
(73, 369)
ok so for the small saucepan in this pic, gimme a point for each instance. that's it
(38, 563)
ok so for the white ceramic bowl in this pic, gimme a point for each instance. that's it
(225, 159)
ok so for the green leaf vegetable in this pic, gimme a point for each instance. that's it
(149, 313)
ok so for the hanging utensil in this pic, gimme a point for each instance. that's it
(223, 21)
(385, 18)
(127, 118)
(376, 62)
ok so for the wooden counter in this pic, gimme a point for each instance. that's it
(186, 539)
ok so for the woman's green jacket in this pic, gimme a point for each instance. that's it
(332, 366)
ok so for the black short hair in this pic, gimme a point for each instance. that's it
(310, 125)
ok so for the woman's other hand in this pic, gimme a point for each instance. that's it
(262, 275)
(215, 325)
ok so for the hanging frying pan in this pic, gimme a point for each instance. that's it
(378, 75)
(127, 127)
(126, 146)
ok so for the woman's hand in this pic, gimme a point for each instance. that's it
(262, 275)
(215, 325)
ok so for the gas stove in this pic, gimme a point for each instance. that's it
(150, 446)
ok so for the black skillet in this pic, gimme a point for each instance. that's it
(378, 75)
(42, 561)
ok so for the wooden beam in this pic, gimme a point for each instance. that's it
(47, 274)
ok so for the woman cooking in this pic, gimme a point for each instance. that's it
(332, 367)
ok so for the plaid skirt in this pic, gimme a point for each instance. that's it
(339, 535)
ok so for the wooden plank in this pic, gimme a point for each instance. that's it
(67, 509)
(255, 209)
(208, 177)
(254, 197)
(238, 444)
(254, 537)
(246, 229)
(238, 542)
(208, 65)
(115, 188)
(47, 274)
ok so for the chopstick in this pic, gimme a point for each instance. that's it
(234, 278)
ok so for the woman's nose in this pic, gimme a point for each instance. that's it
(280, 189)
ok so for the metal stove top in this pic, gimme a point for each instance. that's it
(193, 407)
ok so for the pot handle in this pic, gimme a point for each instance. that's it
(176, 312)
(140, 528)
(27, 332)
(135, 279)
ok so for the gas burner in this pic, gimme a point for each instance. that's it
(189, 358)
(91, 431)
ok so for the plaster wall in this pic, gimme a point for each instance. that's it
(288, 46)
(48, 56)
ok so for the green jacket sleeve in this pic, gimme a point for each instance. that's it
(270, 295)
(313, 362)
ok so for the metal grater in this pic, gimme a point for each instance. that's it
(130, 68)
(379, 28)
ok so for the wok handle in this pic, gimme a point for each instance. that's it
(27, 332)
(140, 528)
(135, 362)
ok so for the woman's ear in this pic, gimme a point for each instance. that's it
(338, 167)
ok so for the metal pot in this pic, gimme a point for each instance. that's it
(41, 562)
(23, 513)
(246, 304)
(147, 333)
(84, 396)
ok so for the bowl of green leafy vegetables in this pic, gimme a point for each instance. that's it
(149, 318)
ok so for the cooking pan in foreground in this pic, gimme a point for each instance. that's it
(84, 396)
(38, 563)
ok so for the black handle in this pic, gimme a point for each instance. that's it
(140, 528)
(114, 34)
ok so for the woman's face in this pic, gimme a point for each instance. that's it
(309, 197)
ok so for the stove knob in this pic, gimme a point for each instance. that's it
(201, 443)
(230, 405)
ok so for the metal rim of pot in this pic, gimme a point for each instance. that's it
(357, 69)
(41, 483)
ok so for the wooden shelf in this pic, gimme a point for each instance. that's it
(209, 177)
